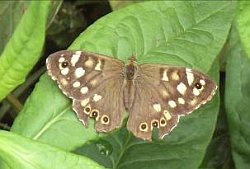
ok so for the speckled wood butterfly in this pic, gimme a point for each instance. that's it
(154, 95)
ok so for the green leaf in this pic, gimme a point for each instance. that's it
(24, 48)
(22, 153)
(180, 33)
(243, 24)
(10, 14)
(237, 99)
(3, 165)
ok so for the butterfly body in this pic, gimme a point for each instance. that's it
(103, 88)
(131, 73)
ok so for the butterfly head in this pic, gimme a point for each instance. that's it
(132, 59)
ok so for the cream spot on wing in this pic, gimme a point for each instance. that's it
(61, 59)
(165, 93)
(175, 75)
(193, 102)
(89, 63)
(78, 52)
(93, 82)
(63, 81)
(202, 82)
(76, 84)
(172, 103)
(167, 115)
(97, 97)
(84, 90)
(165, 75)
(98, 66)
(181, 88)
(79, 72)
(65, 71)
(75, 58)
(190, 76)
(157, 107)
(84, 102)
(196, 92)
(181, 100)
(62, 54)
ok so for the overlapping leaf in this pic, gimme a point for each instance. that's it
(22, 153)
(24, 48)
(10, 14)
(243, 24)
(237, 97)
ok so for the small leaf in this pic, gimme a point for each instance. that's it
(24, 48)
(22, 153)
(10, 14)
(237, 99)
(243, 24)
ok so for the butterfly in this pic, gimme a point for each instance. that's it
(104, 88)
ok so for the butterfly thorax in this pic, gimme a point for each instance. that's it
(131, 69)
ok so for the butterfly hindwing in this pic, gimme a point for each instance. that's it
(107, 111)
(163, 93)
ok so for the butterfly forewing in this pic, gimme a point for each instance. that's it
(163, 93)
(80, 73)
(94, 83)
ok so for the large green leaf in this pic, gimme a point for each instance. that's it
(243, 24)
(180, 33)
(24, 48)
(237, 97)
(186, 33)
(22, 153)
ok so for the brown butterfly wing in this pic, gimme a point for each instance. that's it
(78, 73)
(94, 82)
(106, 106)
(162, 94)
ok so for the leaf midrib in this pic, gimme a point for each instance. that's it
(51, 122)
